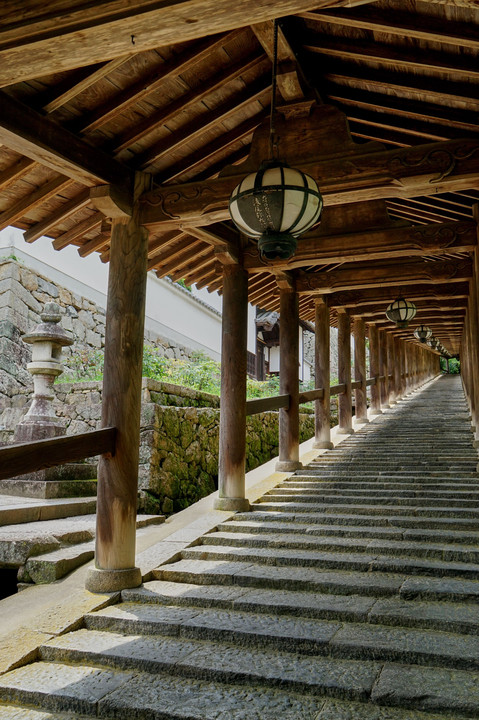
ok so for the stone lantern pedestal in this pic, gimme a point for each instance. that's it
(47, 340)
(40, 423)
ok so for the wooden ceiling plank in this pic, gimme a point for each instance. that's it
(186, 256)
(97, 32)
(400, 25)
(24, 130)
(16, 171)
(194, 270)
(438, 208)
(22, 206)
(204, 122)
(78, 230)
(159, 244)
(208, 152)
(182, 242)
(162, 116)
(66, 210)
(93, 77)
(211, 282)
(397, 275)
(416, 59)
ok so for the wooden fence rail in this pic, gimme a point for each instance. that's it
(29, 457)
(264, 404)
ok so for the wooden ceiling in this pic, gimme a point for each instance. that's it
(92, 92)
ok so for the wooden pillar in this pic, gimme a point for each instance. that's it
(375, 408)
(232, 449)
(322, 419)
(391, 361)
(121, 405)
(359, 332)
(345, 413)
(404, 368)
(288, 381)
(383, 368)
(398, 367)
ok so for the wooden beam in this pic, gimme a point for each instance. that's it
(78, 230)
(396, 274)
(29, 457)
(16, 171)
(289, 84)
(317, 249)
(421, 170)
(24, 130)
(359, 298)
(399, 24)
(68, 37)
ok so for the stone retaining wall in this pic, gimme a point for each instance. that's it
(23, 294)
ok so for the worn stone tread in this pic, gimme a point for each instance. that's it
(10, 712)
(340, 710)
(225, 662)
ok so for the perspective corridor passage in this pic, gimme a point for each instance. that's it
(350, 592)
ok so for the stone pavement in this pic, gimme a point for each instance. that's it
(350, 592)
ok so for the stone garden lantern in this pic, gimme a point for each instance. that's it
(47, 340)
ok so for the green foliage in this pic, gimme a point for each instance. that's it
(454, 366)
(182, 284)
(199, 373)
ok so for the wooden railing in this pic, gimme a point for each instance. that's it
(29, 457)
(264, 404)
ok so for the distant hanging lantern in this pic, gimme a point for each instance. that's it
(433, 343)
(276, 204)
(422, 333)
(401, 312)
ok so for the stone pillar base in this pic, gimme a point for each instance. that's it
(101, 581)
(288, 465)
(232, 504)
(323, 445)
(475, 443)
(345, 431)
(362, 420)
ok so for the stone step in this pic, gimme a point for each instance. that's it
(267, 526)
(448, 616)
(365, 562)
(373, 479)
(14, 712)
(333, 517)
(444, 489)
(288, 505)
(15, 510)
(303, 496)
(127, 694)
(448, 552)
(49, 566)
(311, 636)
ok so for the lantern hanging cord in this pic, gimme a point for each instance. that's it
(272, 144)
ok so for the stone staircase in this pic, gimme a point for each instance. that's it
(350, 592)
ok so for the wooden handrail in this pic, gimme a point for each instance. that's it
(310, 395)
(370, 381)
(337, 389)
(29, 457)
(264, 404)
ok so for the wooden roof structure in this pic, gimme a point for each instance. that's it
(378, 100)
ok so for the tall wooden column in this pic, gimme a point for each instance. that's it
(383, 368)
(404, 368)
(232, 450)
(359, 332)
(345, 413)
(391, 362)
(121, 404)
(375, 408)
(322, 419)
(288, 381)
(398, 367)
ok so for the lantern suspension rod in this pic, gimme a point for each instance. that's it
(272, 144)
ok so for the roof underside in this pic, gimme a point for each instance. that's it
(403, 73)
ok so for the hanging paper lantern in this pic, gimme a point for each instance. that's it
(422, 333)
(401, 312)
(274, 206)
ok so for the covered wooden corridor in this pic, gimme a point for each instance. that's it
(124, 129)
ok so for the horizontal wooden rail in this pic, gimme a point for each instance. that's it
(264, 404)
(382, 377)
(310, 395)
(29, 457)
(370, 381)
(337, 389)
(356, 384)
